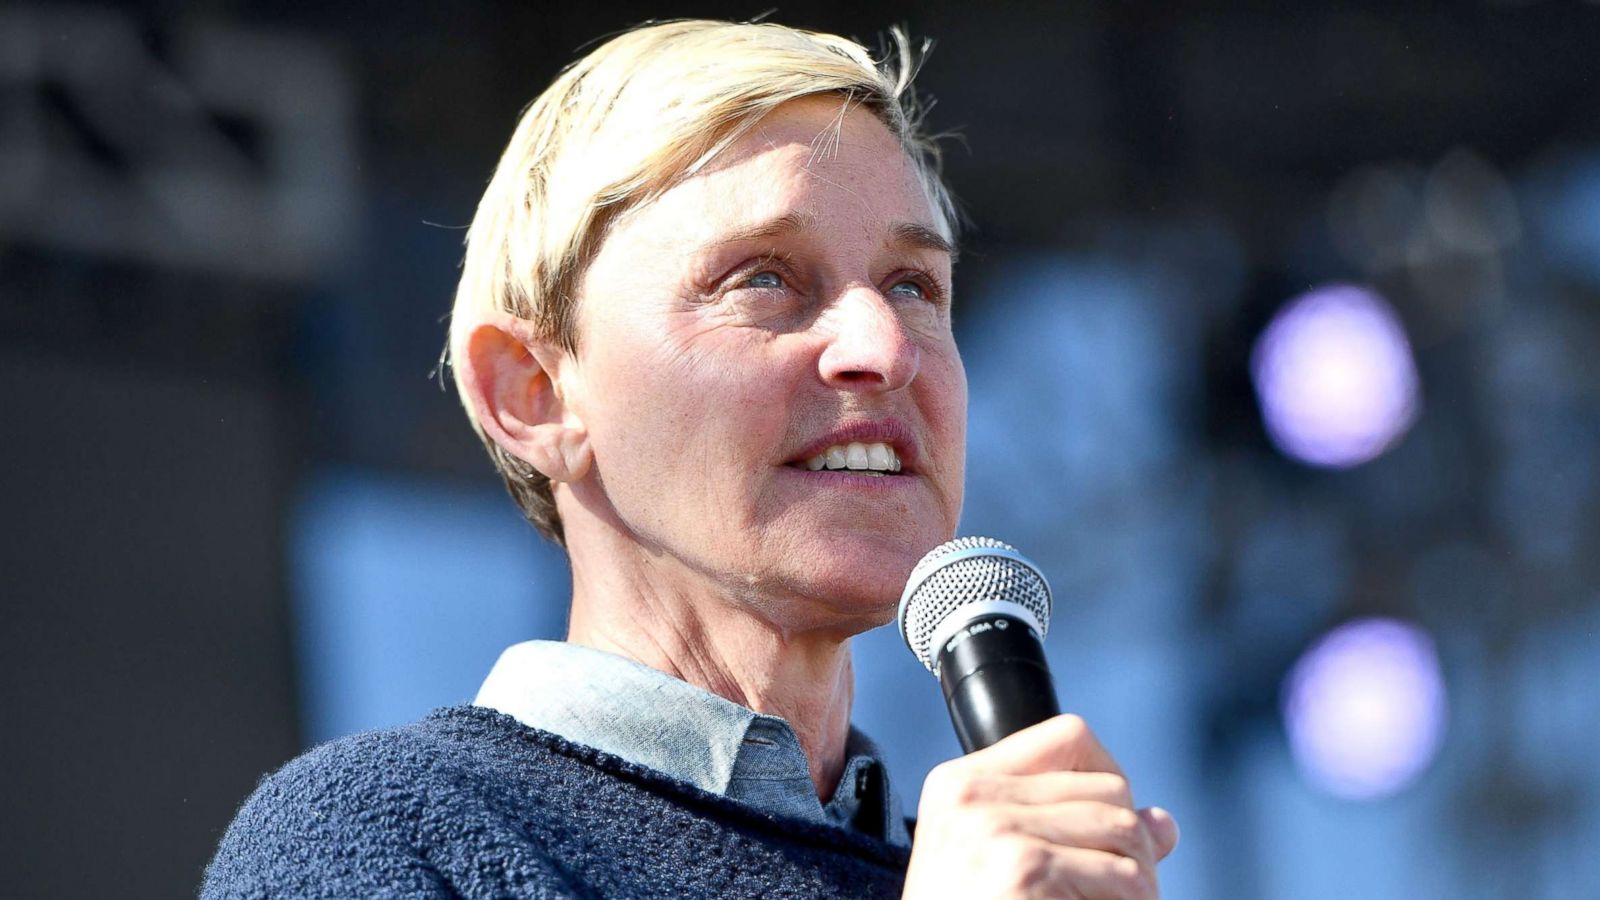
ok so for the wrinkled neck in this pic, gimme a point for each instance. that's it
(659, 614)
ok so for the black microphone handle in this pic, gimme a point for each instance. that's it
(995, 680)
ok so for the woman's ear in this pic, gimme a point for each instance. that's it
(512, 380)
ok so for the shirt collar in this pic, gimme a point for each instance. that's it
(647, 717)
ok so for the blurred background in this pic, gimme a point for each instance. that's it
(1282, 324)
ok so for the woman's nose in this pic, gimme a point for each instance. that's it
(868, 347)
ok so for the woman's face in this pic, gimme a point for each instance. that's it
(785, 309)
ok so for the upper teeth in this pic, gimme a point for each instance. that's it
(858, 456)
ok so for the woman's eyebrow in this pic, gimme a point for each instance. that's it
(921, 237)
(907, 234)
(788, 223)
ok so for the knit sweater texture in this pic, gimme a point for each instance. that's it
(471, 803)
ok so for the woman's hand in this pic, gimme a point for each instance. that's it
(1044, 813)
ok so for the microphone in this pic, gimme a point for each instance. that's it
(975, 612)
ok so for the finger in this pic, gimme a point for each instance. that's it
(1050, 787)
(1163, 829)
(1062, 743)
(1087, 825)
(1098, 875)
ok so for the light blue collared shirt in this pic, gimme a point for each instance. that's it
(647, 717)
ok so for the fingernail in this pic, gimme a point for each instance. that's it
(1162, 822)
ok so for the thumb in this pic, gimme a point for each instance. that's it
(1163, 829)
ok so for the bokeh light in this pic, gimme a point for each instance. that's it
(1335, 379)
(1365, 708)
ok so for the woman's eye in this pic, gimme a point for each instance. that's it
(909, 289)
(766, 279)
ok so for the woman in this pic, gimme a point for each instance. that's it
(703, 330)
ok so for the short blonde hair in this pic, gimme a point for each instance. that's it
(619, 127)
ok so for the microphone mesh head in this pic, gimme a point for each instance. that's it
(967, 570)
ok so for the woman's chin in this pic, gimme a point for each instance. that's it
(846, 582)
(861, 591)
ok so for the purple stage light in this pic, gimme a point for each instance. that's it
(1365, 708)
(1334, 376)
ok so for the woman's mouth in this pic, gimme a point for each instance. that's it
(876, 458)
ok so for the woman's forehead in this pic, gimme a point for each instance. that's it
(808, 161)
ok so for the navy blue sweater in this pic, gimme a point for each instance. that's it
(471, 803)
